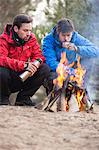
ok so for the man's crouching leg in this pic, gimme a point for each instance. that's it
(32, 84)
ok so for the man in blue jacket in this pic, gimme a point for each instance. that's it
(63, 37)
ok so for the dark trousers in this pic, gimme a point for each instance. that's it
(10, 82)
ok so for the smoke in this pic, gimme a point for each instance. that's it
(92, 32)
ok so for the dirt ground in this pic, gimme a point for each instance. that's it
(26, 128)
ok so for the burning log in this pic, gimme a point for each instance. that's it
(68, 93)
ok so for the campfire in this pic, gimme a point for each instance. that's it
(68, 92)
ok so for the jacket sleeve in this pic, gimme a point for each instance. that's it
(36, 51)
(6, 61)
(49, 53)
(85, 47)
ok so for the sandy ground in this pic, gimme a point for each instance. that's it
(26, 128)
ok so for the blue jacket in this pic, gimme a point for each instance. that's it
(52, 49)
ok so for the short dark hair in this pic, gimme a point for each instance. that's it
(64, 25)
(21, 18)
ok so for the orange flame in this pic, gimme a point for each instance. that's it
(60, 71)
(78, 78)
(79, 97)
(80, 72)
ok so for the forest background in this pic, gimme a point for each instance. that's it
(46, 13)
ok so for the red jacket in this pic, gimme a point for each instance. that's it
(13, 56)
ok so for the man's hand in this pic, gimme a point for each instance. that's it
(69, 46)
(32, 68)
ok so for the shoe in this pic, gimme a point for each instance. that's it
(4, 100)
(24, 101)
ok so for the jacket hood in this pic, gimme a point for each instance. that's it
(7, 29)
(7, 35)
(55, 35)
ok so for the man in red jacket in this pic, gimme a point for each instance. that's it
(19, 50)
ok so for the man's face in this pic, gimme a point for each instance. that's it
(24, 31)
(65, 37)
